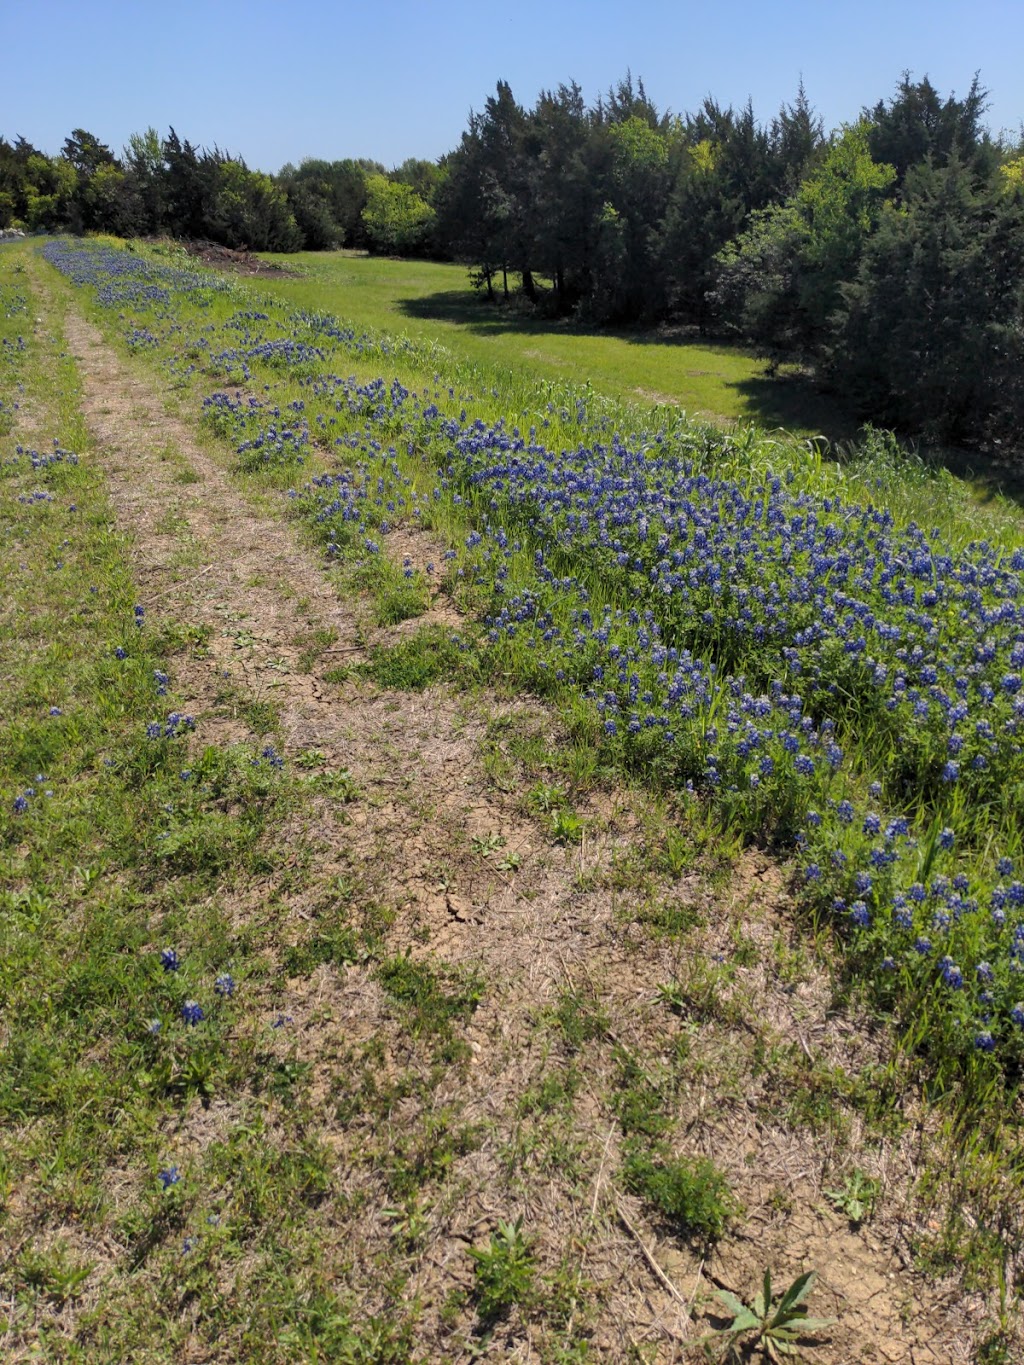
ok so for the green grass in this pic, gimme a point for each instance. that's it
(434, 302)
(267, 1180)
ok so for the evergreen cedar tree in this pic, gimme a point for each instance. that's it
(887, 257)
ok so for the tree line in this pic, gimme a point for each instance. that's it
(887, 256)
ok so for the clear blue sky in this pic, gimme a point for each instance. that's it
(274, 82)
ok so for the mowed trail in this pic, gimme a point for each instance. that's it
(415, 841)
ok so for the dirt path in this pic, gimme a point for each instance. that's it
(416, 841)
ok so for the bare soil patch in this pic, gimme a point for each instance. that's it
(240, 262)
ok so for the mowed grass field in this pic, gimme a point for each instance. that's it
(431, 301)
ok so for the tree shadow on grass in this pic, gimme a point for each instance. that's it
(484, 317)
(793, 402)
(789, 400)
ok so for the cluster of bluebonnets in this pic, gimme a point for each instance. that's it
(826, 676)
(190, 1011)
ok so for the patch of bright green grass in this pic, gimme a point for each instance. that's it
(419, 661)
(434, 302)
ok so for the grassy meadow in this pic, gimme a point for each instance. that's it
(431, 301)
(489, 864)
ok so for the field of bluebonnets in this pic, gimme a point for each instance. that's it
(791, 641)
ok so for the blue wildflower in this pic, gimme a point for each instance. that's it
(860, 914)
(951, 973)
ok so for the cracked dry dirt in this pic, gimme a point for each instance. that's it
(208, 557)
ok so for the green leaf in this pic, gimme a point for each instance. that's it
(744, 1321)
(797, 1291)
(734, 1305)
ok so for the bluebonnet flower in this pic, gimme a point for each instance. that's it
(901, 916)
(281, 1020)
(1017, 1014)
(154, 1026)
(192, 1012)
(20, 805)
(888, 964)
(872, 823)
(170, 1176)
(120, 653)
(225, 984)
(923, 946)
(984, 971)
(860, 915)
(56, 711)
(951, 973)
(946, 838)
(169, 959)
(984, 1041)
(1005, 867)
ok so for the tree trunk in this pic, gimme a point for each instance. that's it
(528, 286)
